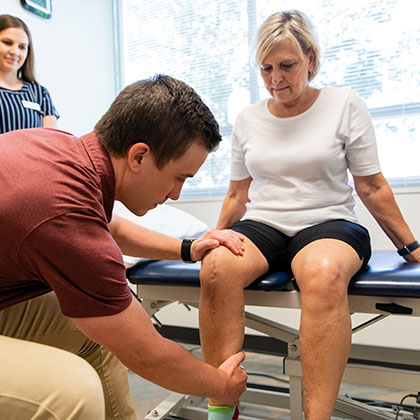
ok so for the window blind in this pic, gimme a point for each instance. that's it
(369, 45)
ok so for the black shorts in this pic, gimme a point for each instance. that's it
(280, 249)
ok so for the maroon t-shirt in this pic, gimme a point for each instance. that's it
(56, 199)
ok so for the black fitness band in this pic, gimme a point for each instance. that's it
(186, 250)
(409, 248)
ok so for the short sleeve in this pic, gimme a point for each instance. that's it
(47, 105)
(238, 167)
(357, 129)
(77, 257)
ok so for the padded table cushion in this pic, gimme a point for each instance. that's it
(388, 275)
(178, 273)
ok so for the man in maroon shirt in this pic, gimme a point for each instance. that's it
(62, 278)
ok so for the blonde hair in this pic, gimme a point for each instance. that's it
(291, 24)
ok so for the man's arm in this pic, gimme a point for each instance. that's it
(137, 241)
(131, 336)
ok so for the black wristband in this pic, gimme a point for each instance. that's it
(186, 250)
(409, 248)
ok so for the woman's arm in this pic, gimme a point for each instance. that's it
(234, 204)
(377, 196)
(49, 121)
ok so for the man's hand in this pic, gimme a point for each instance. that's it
(236, 379)
(213, 238)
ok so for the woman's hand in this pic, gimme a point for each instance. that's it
(214, 238)
(413, 257)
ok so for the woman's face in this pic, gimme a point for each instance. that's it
(285, 73)
(13, 49)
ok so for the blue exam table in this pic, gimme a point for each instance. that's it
(389, 287)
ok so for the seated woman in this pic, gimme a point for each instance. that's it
(290, 197)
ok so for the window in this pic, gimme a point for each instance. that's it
(369, 45)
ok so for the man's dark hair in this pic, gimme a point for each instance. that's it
(163, 112)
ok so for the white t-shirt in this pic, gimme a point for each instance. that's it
(299, 164)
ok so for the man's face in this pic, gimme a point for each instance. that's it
(145, 186)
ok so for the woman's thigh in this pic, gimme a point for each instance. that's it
(270, 242)
(329, 254)
(324, 267)
(352, 234)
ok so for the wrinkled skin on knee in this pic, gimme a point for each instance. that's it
(221, 268)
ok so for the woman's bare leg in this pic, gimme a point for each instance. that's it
(223, 277)
(323, 270)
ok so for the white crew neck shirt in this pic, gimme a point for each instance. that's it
(299, 165)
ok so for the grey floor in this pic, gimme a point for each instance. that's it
(263, 369)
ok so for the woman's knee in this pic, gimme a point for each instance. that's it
(322, 279)
(220, 268)
(216, 262)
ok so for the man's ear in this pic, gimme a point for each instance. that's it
(135, 155)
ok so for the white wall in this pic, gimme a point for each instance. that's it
(74, 58)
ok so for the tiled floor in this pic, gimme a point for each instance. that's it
(261, 369)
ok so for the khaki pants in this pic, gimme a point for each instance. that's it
(50, 370)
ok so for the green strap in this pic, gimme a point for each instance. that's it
(222, 410)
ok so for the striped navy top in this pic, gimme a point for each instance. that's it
(24, 108)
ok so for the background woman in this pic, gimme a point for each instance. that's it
(23, 102)
(290, 197)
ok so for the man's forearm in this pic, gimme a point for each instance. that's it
(131, 336)
(173, 368)
(137, 241)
